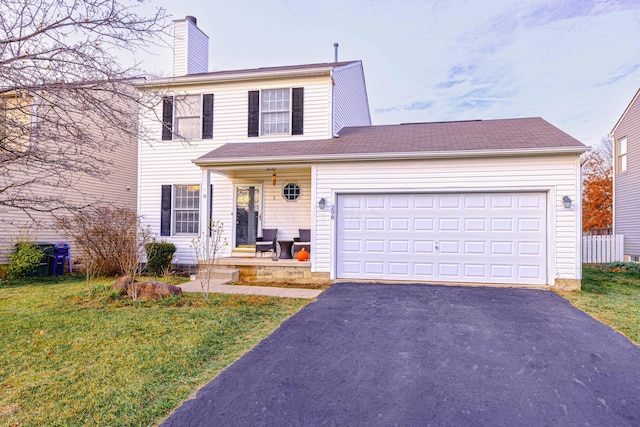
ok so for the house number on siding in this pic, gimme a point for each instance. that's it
(333, 212)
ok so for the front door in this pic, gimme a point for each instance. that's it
(248, 214)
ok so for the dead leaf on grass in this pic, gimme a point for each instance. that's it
(7, 411)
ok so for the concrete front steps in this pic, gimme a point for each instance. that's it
(224, 275)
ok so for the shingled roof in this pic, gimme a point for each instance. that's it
(250, 73)
(410, 140)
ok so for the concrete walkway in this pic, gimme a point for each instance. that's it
(219, 287)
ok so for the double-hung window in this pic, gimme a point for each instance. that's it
(622, 154)
(180, 210)
(186, 209)
(187, 117)
(274, 107)
(276, 112)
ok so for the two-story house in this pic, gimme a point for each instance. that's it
(626, 176)
(58, 155)
(206, 110)
(292, 148)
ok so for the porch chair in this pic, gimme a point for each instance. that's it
(267, 242)
(302, 241)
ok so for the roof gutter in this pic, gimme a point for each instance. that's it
(224, 77)
(424, 155)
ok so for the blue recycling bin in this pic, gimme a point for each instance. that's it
(61, 255)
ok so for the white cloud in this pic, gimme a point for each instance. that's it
(574, 63)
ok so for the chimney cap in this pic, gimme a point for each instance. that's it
(192, 19)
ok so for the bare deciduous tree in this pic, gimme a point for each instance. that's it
(208, 253)
(65, 96)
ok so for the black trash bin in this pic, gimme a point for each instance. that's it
(44, 266)
(61, 255)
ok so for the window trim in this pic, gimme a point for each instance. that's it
(175, 210)
(261, 113)
(170, 128)
(282, 192)
(176, 118)
(622, 157)
(295, 112)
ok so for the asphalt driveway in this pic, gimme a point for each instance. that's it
(417, 355)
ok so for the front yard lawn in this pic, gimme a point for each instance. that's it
(66, 359)
(612, 297)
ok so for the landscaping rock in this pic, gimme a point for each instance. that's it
(146, 290)
(122, 284)
(157, 290)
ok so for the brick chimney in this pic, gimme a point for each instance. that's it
(190, 48)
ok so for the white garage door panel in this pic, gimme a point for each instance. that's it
(492, 237)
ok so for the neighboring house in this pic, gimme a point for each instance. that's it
(55, 185)
(626, 177)
(293, 148)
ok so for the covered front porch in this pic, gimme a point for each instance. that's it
(253, 201)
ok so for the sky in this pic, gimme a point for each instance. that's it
(575, 63)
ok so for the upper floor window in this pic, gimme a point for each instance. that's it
(276, 112)
(622, 154)
(187, 119)
(187, 116)
(16, 122)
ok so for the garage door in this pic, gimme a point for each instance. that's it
(484, 237)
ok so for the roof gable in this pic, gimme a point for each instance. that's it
(626, 110)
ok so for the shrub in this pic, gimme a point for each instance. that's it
(24, 260)
(159, 256)
(111, 238)
(623, 266)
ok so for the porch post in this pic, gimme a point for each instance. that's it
(205, 203)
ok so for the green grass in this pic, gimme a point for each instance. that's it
(613, 297)
(66, 359)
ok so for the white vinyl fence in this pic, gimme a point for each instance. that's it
(602, 249)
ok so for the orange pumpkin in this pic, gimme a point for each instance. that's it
(302, 255)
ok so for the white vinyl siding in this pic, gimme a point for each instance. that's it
(165, 162)
(626, 203)
(555, 175)
(231, 105)
(285, 215)
(190, 50)
(350, 103)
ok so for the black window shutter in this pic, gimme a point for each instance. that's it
(254, 113)
(165, 214)
(297, 112)
(167, 118)
(207, 116)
